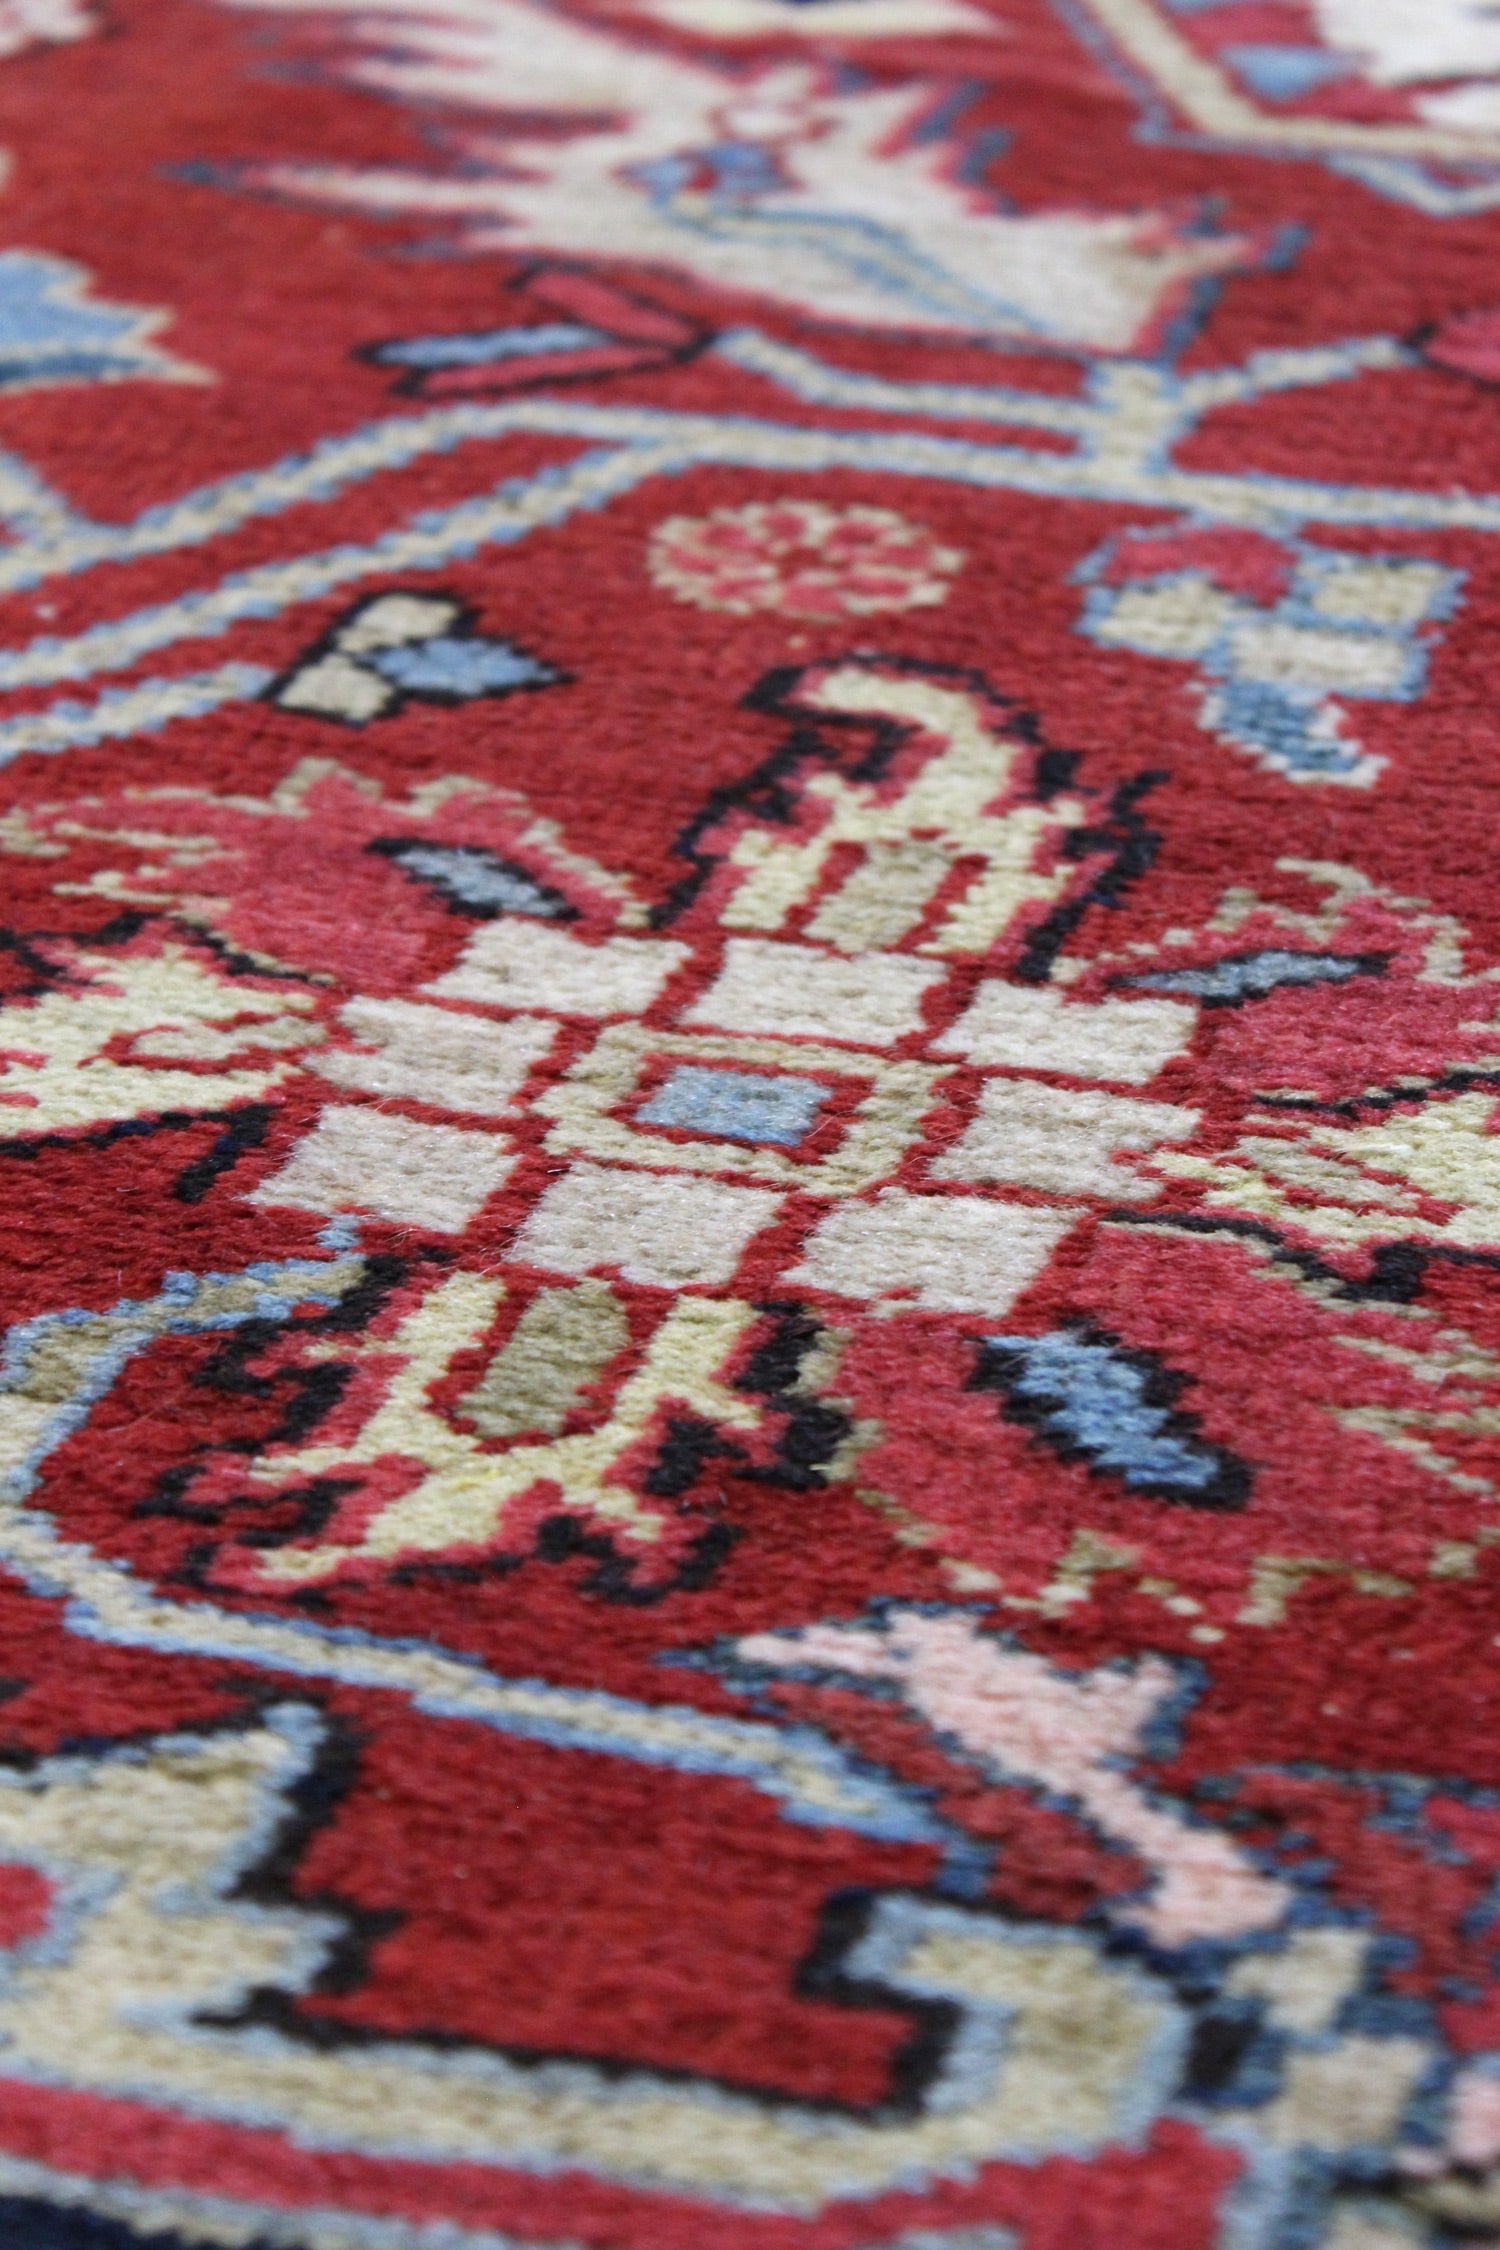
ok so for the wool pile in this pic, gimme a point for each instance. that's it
(749, 1125)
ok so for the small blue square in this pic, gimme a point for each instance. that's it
(736, 1105)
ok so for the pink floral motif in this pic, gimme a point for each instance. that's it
(802, 558)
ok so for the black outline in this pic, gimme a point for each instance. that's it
(1132, 849)
(1459, 1081)
(464, 626)
(245, 1123)
(844, 1920)
(245, 1129)
(397, 848)
(411, 382)
(770, 791)
(1397, 1269)
(1417, 339)
(999, 1369)
(1155, 980)
(812, 1429)
(27, 2223)
(811, 1433)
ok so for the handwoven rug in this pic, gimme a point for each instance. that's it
(750, 1125)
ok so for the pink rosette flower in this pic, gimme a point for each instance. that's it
(802, 558)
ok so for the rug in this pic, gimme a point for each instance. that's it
(750, 1125)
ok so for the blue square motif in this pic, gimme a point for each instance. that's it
(735, 1105)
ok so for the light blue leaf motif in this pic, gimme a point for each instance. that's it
(52, 331)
